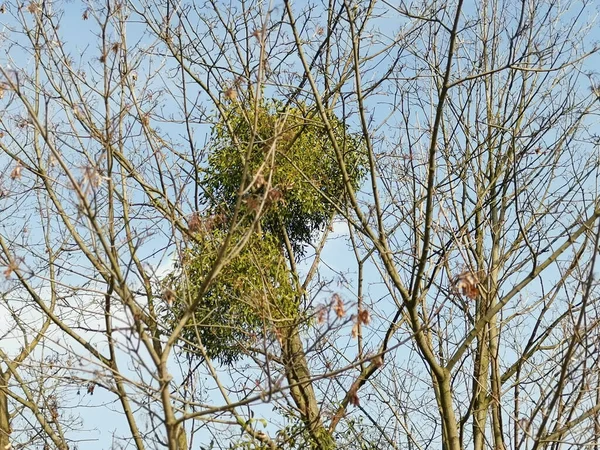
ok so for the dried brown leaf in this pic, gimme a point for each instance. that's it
(194, 223)
(355, 330)
(253, 202)
(169, 296)
(16, 172)
(274, 195)
(364, 316)
(466, 283)
(321, 315)
(230, 94)
(278, 336)
(338, 306)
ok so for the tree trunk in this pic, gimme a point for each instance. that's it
(4, 414)
(301, 390)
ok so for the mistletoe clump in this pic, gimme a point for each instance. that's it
(251, 292)
(290, 163)
(284, 166)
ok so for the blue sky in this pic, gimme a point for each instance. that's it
(100, 422)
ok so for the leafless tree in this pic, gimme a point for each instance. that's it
(449, 299)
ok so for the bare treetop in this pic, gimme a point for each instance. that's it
(292, 225)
